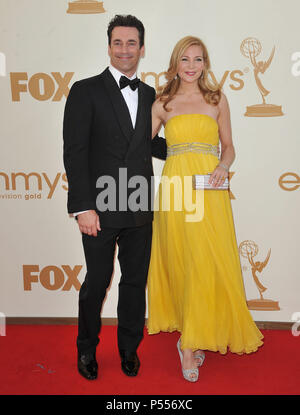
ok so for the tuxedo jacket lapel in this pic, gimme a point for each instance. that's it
(119, 104)
(140, 117)
(140, 125)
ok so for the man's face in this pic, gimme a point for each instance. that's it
(124, 49)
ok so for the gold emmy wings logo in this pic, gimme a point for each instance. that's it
(85, 7)
(249, 249)
(251, 48)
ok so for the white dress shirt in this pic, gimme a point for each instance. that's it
(130, 97)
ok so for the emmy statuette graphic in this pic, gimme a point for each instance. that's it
(248, 250)
(85, 7)
(251, 48)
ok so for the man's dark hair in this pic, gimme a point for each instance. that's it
(126, 21)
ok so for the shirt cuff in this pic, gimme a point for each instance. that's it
(78, 213)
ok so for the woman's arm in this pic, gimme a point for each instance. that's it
(158, 144)
(227, 148)
(156, 117)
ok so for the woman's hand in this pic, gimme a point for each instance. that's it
(218, 176)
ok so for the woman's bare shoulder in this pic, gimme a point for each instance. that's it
(223, 101)
(158, 108)
(159, 102)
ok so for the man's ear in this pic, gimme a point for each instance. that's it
(142, 51)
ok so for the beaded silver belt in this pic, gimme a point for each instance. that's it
(193, 147)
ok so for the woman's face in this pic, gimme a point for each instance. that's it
(191, 64)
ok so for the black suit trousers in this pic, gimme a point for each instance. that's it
(134, 245)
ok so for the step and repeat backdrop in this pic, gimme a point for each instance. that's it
(47, 45)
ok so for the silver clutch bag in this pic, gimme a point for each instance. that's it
(200, 181)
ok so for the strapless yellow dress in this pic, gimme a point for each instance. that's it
(195, 284)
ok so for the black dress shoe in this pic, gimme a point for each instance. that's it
(87, 365)
(129, 362)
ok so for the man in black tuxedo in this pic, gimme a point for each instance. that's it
(107, 133)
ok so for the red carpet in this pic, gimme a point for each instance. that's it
(42, 360)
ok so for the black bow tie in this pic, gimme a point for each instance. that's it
(133, 83)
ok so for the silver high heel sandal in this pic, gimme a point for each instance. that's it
(187, 372)
(201, 356)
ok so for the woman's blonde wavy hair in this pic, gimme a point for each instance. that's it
(210, 91)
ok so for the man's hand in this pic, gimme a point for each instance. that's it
(89, 222)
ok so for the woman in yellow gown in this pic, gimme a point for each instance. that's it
(195, 284)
